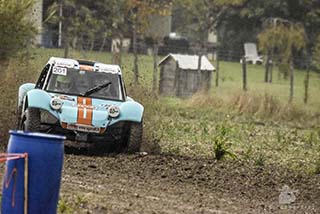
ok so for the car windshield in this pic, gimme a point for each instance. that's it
(85, 83)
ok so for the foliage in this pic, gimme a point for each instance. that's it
(77, 20)
(283, 38)
(16, 28)
(64, 207)
(243, 23)
(221, 147)
(260, 160)
(316, 53)
(317, 167)
(202, 17)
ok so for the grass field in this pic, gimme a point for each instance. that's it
(230, 77)
(257, 126)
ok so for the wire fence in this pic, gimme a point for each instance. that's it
(215, 55)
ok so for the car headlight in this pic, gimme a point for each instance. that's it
(114, 111)
(56, 103)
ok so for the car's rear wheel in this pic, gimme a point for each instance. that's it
(135, 137)
(32, 120)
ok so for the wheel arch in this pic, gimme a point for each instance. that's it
(39, 99)
(130, 111)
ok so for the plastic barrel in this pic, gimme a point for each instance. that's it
(13, 182)
(45, 162)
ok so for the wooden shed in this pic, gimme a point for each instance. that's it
(179, 75)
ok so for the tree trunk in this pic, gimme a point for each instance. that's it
(135, 53)
(217, 69)
(103, 44)
(291, 81)
(120, 50)
(267, 69)
(116, 50)
(244, 73)
(155, 67)
(92, 43)
(74, 42)
(270, 70)
(279, 72)
(306, 85)
(66, 46)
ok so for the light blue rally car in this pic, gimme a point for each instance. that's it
(83, 100)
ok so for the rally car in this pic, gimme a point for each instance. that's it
(83, 100)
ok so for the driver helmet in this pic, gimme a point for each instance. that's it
(63, 82)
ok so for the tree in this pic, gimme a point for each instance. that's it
(16, 28)
(203, 17)
(113, 16)
(157, 16)
(139, 13)
(78, 23)
(243, 23)
(286, 38)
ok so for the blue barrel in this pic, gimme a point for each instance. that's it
(45, 162)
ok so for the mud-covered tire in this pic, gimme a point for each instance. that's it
(32, 120)
(135, 137)
(19, 118)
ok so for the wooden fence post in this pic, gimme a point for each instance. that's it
(217, 69)
(244, 73)
(291, 81)
(306, 82)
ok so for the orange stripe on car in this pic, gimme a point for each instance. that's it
(86, 68)
(84, 114)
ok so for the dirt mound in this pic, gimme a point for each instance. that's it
(171, 184)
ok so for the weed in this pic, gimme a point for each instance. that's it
(221, 146)
(260, 160)
(317, 167)
(279, 136)
(248, 153)
(63, 207)
(81, 200)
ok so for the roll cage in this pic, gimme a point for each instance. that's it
(46, 72)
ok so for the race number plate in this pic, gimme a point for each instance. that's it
(59, 71)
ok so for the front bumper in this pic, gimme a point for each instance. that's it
(82, 133)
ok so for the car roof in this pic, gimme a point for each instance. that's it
(76, 64)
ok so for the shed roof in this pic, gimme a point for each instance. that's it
(190, 62)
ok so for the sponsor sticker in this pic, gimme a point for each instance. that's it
(59, 71)
(83, 128)
(64, 97)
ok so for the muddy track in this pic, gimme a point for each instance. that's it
(171, 184)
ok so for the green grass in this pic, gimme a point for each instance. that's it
(231, 82)
(260, 126)
(230, 73)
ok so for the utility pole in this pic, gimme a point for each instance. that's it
(60, 24)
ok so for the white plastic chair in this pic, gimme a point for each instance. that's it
(251, 54)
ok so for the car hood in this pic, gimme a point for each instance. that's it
(85, 110)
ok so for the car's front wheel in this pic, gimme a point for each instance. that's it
(32, 120)
(135, 137)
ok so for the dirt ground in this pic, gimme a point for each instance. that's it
(172, 184)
